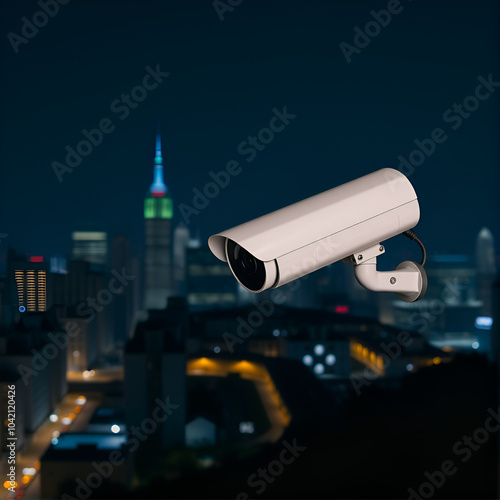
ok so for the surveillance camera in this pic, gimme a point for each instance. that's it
(345, 223)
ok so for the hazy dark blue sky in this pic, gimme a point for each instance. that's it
(225, 79)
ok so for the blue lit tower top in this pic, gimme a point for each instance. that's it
(158, 188)
(158, 203)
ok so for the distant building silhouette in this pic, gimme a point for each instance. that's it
(89, 298)
(181, 243)
(209, 282)
(67, 466)
(91, 246)
(35, 348)
(126, 300)
(83, 345)
(486, 269)
(155, 372)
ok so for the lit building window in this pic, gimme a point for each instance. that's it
(166, 210)
(149, 208)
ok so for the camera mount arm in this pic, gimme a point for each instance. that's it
(408, 280)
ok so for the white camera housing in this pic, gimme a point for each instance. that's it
(346, 222)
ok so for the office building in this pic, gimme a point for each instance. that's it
(70, 468)
(486, 269)
(126, 304)
(155, 372)
(35, 348)
(181, 243)
(83, 344)
(448, 312)
(209, 282)
(31, 284)
(91, 246)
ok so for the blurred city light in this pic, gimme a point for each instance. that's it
(319, 369)
(330, 359)
(307, 360)
(319, 349)
(484, 322)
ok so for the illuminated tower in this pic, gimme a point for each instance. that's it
(31, 285)
(486, 269)
(158, 211)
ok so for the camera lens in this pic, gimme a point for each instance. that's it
(248, 270)
(248, 261)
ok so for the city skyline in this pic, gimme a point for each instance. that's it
(132, 362)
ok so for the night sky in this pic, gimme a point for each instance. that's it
(225, 79)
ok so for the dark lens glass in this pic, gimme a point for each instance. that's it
(248, 261)
(249, 271)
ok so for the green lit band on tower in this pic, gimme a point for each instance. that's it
(158, 208)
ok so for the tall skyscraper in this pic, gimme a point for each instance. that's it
(155, 372)
(158, 212)
(486, 269)
(181, 242)
(209, 282)
(31, 285)
(125, 304)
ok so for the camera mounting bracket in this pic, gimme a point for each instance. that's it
(408, 280)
